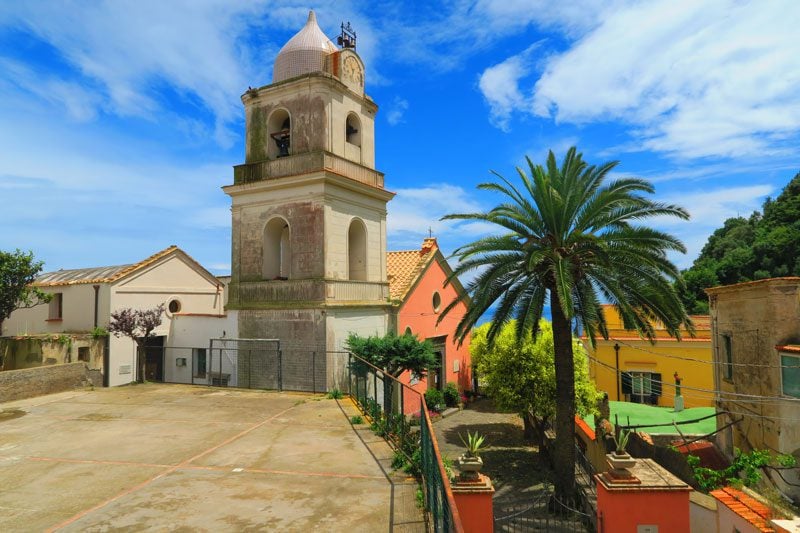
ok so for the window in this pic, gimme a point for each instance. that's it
(727, 364)
(83, 354)
(56, 307)
(408, 331)
(790, 375)
(174, 306)
(277, 249)
(280, 133)
(357, 251)
(199, 360)
(437, 302)
(642, 387)
(353, 130)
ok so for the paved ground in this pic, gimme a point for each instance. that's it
(174, 457)
(513, 463)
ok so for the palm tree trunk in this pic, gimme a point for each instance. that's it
(564, 452)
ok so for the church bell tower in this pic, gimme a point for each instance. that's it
(308, 262)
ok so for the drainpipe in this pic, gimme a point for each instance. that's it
(96, 302)
(616, 351)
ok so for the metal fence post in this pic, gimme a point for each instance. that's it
(220, 367)
(280, 370)
(350, 375)
(314, 371)
(210, 362)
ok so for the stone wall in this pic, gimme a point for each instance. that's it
(30, 382)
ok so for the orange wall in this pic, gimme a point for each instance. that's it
(621, 511)
(417, 313)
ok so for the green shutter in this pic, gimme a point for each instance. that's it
(626, 383)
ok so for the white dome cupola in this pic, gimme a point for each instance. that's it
(306, 52)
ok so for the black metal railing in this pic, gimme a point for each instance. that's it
(394, 409)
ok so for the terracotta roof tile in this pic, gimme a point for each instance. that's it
(404, 267)
(789, 348)
(752, 510)
(108, 274)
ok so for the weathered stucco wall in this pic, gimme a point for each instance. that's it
(31, 352)
(30, 382)
(305, 219)
(308, 120)
(757, 316)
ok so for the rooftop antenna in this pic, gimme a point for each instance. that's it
(347, 39)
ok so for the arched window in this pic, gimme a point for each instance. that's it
(437, 302)
(408, 331)
(277, 250)
(353, 130)
(357, 250)
(279, 127)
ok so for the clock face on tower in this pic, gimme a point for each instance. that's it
(352, 71)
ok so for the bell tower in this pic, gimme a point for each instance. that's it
(308, 261)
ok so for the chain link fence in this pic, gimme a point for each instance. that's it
(246, 363)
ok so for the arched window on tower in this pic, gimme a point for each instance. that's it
(279, 126)
(277, 250)
(353, 130)
(357, 250)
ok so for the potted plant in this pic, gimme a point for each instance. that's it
(620, 460)
(470, 462)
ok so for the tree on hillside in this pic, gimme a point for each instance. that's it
(18, 270)
(138, 325)
(745, 249)
(394, 354)
(572, 238)
(520, 376)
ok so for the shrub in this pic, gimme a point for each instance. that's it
(451, 395)
(398, 461)
(356, 420)
(335, 394)
(435, 399)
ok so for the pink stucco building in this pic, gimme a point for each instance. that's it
(417, 287)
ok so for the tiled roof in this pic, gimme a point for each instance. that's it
(790, 348)
(404, 267)
(107, 274)
(752, 510)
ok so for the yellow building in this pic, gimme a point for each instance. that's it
(633, 369)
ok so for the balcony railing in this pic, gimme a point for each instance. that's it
(308, 290)
(302, 164)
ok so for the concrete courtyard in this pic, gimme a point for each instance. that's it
(175, 457)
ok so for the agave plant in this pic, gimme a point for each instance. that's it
(474, 443)
(622, 441)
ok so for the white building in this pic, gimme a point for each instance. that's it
(83, 299)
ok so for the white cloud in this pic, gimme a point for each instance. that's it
(414, 211)
(499, 85)
(708, 210)
(694, 79)
(132, 49)
(398, 108)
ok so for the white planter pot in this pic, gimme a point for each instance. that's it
(620, 461)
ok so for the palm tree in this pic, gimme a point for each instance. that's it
(571, 236)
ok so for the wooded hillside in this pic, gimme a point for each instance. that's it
(765, 245)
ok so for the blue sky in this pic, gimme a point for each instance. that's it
(120, 121)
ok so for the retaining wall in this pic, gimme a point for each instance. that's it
(30, 382)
